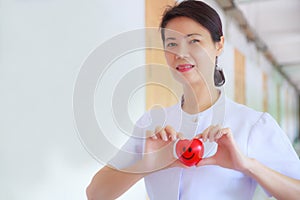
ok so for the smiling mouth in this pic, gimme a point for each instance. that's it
(188, 158)
(184, 67)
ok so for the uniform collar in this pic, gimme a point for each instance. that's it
(217, 110)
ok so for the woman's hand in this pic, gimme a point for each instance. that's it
(228, 154)
(159, 148)
(160, 138)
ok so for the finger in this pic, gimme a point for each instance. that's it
(227, 131)
(180, 135)
(224, 131)
(207, 161)
(178, 163)
(157, 131)
(213, 132)
(219, 135)
(199, 136)
(161, 133)
(205, 133)
(171, 132)
(151, 134)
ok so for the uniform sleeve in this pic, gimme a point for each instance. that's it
(133, 149)
(270, 145)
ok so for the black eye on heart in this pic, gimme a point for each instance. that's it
(189, 149)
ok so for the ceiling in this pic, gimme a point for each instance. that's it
(274, 25)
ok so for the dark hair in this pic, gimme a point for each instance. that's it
(199, 12)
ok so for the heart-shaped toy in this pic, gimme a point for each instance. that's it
(189, 152)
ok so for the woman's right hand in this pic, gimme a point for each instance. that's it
(159, 148)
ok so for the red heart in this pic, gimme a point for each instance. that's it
(189, 152)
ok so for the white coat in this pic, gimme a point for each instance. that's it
(256, 133)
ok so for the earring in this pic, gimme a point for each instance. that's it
(219, 77)
(182, 101)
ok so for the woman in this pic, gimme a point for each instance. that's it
(253, 149)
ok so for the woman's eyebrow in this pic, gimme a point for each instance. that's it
(186, 36)
(192, 34)
(170, 38)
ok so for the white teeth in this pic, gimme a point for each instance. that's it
(185, 67)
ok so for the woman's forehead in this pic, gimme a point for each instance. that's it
(174, 35)
(185, 27)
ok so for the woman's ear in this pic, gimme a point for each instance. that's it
(220, 45)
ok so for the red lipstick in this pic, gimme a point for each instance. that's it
(184, 67)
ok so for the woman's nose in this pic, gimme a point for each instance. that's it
(182, 52)
(181, 56)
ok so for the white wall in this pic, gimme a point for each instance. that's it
(42, 46)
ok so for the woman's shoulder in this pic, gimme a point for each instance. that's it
(243, 112)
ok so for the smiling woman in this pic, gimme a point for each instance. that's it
(238, 150)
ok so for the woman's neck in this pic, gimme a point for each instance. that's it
(198, 99)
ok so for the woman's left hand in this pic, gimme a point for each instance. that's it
(228, 154)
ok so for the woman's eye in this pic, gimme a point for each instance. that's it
(195, 41)
(172, 44)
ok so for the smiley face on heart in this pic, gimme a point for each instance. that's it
(189, 152)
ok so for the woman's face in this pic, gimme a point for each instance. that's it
(191, 52)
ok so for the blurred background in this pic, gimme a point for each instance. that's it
(44, 43)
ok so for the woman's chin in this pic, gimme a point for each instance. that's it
(193, 82)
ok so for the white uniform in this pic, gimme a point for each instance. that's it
(257, 134)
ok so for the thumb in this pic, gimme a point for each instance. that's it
(207, 161)
(199, 136)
